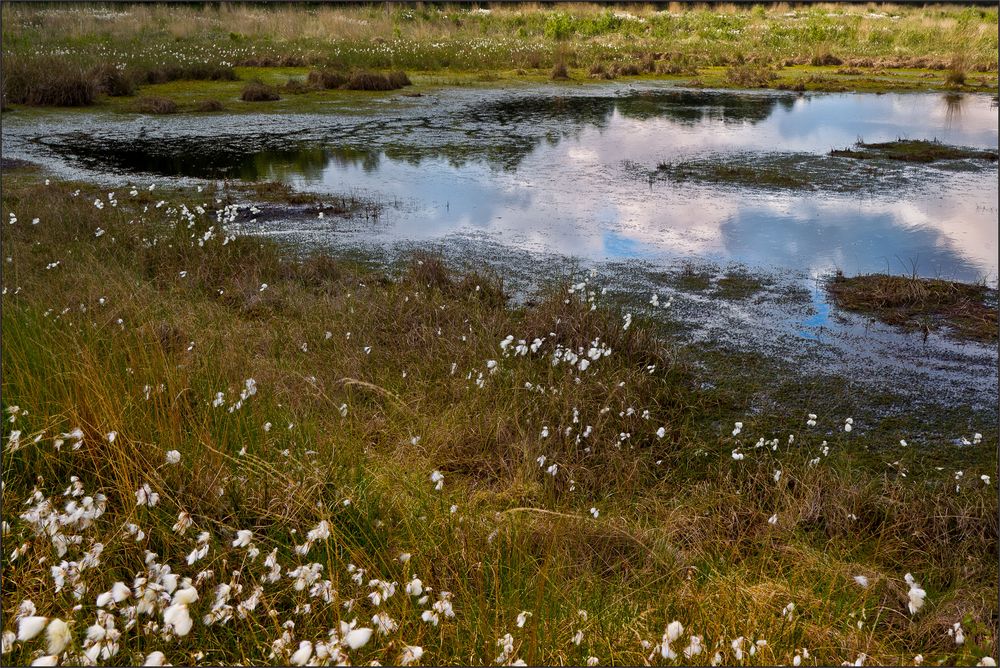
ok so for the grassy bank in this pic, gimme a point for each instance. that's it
(554, 471)
(90, 54)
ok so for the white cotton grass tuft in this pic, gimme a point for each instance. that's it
(243, 538)
(58, 636)
(358, 638)
(9, 638)
(155, 659)
(411, 654)
(915, 594)
(302, 655)
(29, 627)
(177, 615)
(861, 580)
(173, 457)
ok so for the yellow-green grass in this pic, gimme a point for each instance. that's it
(682, 530)
(821, 47)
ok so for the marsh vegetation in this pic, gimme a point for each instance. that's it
(220, 450)
(67, 56)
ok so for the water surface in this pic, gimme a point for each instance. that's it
(571, 170)
(532, 177)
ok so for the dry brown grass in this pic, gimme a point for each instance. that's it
(967, 311)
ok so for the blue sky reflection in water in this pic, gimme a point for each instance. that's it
(574, 196)
(566, 169)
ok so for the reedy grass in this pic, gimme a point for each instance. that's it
(682, 531)
(206, 43)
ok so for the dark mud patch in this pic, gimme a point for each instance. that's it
(963, 310)
(913, 150)
(10, 164)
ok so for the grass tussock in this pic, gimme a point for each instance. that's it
(209, 106)
(359, 79)
(113, 81)
(159, 74)
(559, 72)
(965, 310)
(545, 481)
(365, 80)
(326, 79)
(750, 75)
(155, 105)
(257, 91)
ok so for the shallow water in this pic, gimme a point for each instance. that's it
(529, 177)
(571, 170)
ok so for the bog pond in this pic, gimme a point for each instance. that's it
(658, 188)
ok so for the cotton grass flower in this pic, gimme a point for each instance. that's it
(243, 538)
(358, 638)
(156, 658)
(173, 457)
(411, 654)
(8, 640)
(916, 594)
(302, 654)
(861, 580)
(673, 632)
(29, 627)
(177, 615)
(58, 636)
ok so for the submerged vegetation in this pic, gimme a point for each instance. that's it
(783, 173)
(220, 450)
(965, 310)
(62, 56)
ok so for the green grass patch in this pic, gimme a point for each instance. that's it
(913, 150)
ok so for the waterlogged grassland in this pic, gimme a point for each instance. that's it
(93, 51)
(188, 94)
(285, 458)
